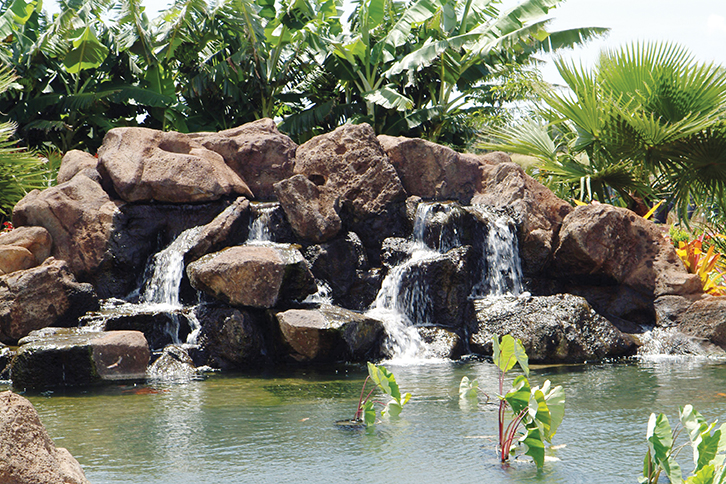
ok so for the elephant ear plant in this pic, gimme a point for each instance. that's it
(538, 410)
(707, 441)
(385, 382)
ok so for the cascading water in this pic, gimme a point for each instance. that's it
(162, 288)
(402, 303)
(259, 226)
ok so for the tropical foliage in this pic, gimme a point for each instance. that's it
(701, 256)
(646, 122)
(707, 441)
(539, 410)
(417, 67)
(385, 382)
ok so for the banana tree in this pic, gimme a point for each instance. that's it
(465, 42)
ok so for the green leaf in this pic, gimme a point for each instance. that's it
(518, 397)
(555, 399)
(87, 52)
(389, 98)
(705, 475)
(369, 413)
(660, 444)
(385, 380)
(468, 388)
(535, 446)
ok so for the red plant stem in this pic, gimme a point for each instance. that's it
(360, 399)
(511, 432)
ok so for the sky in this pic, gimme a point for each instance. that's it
(699, 25)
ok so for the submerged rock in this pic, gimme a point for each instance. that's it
(254, 275)
(47, 295)
(28, 455)
(174, 364)
(671, 342)
(329, 333)
(554, 329)
(64, 357)
(441, 343)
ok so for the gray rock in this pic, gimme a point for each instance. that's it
(174, 364)
(706, 318)
(28, 454)
(66, 357)
(337, 263)
(256, 276)
(329, 333)
(230, 338)
(441, 343)
(554, 329)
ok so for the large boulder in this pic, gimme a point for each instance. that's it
(256, 151)
(79, 216)
(506, 186)
(47, 295)
(706, 318)
(311, 209)
(256, 276)
(69, 357)
(432, 171)
(328, 333)
(230, 338)
(606, 244)
(553, 329)
(73, 162)
(338, 263)
(145, 164)
(28, 455)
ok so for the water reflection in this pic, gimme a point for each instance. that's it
(280, 428)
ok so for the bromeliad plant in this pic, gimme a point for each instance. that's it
(386, 382)
(706, 264)
(538, 410)
(707, 441)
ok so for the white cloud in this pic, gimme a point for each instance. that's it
(716, 24)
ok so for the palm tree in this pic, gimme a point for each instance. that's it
(646, 121)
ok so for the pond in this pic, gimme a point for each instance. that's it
(279, 428)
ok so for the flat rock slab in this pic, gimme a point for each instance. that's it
(28, 455)
(65, 357)
(253, 275)
(553, 329)
(328, 333)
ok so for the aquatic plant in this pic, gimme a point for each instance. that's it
(386, 382)
(707, 441)
(538, 410)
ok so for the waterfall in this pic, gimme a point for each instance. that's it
(402, 302)
(502, 274)
(394, 301)
(162, 288)
(259, 226)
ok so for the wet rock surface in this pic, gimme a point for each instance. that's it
(28, 454)
(554, 329)
(66, 357)
(174, 365)
(329, 334)
(231, 338)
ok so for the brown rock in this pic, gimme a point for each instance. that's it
(78, 214)
(706, 318)
(43, 296)
(146, 164)
(432, 171)
(14, 258)
(255, 276)
(328, 333)
(505, 185)
(226, 229)
(352, 165)
(28, 455)
(602, 241)
(256, 151)
(311, 209)
(74, 162)
(70, 357)
(36, 239)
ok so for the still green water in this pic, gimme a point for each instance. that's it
(279, 428)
